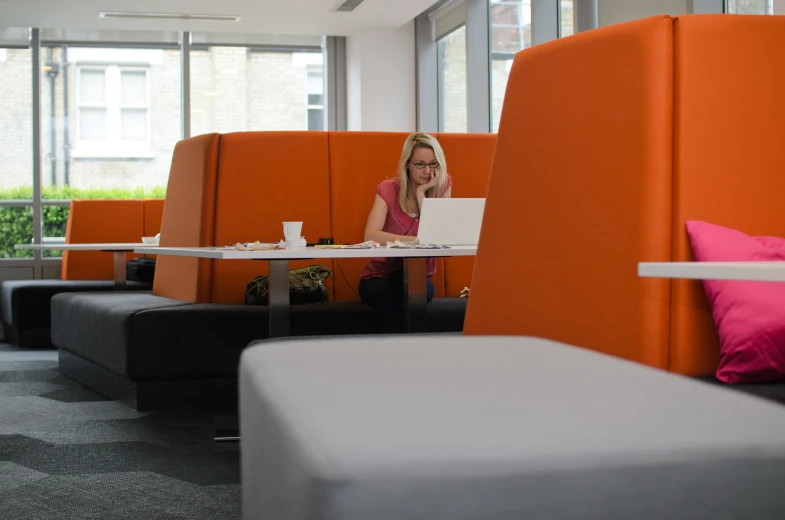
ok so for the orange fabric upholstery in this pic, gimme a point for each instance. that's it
(359, 161)
(96, 221)
(264, 179)
(580, 192)
(728, 157)
(188, 219)
(153, 214)
(469, 159)
(240, 187)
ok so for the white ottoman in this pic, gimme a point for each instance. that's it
(491, 428)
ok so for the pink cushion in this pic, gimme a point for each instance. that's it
(749, 316)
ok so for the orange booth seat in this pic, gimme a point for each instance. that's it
(106, 221)
(240, 187)
(609, 141)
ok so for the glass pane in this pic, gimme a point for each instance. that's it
(134, 124)
(92, 124)
(16, 227)
(92, 85)
(750, 7)
(108, 151)
(55, 219)
(511, 30)
(568, 21)
(133, 88)
(240, 89)
(452, 81)
(16, 124)
(315, 119)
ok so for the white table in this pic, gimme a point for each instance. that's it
(117, 249)
(414, 265)
(742, 271)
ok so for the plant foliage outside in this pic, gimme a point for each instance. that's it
(16, 222)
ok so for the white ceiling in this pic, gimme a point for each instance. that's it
(315, 17)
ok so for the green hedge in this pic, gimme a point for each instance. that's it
(16, 223)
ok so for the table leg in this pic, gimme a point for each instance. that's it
(415, 271)
(279, 298)
(119, 271)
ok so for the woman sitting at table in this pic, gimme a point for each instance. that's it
(422, 173)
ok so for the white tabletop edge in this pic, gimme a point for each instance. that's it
(304, 253)
(773, 271)
(119, 246)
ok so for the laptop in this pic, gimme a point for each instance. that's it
(451, 222)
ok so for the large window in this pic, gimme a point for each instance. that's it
(452, 81)
(749, 6)
(16, 150)
(238, 88)
(511, 24)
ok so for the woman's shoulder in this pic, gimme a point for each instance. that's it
(387, 188)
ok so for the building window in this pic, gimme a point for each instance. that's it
(315, 93)
(113, 112)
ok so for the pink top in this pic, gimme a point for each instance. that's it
(397, 223)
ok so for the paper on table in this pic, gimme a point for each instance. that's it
(369, 244)
(413, 245)
(256, 246)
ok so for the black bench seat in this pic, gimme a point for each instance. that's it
(25, 306)
(142, 341)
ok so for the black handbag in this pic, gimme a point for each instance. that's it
(140, 270)
(306, 285)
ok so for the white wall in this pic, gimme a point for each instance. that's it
(617, 11)
(380, 80)
(779, 6)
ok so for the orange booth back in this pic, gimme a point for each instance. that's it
(609, 141)
(96, 221)
(240, 187)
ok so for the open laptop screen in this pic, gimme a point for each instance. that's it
(451, 222)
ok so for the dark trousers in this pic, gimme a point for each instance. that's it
(386, 296)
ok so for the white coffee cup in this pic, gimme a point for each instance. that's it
(291, 233)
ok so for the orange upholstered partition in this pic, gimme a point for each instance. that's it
(469, 159)
(188, 219)
(359, 161)
(99, 221)
(580, 192)
(729, 155)
(264, 179)
(153, 214)
(240, 187)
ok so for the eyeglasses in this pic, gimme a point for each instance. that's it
(421, 165)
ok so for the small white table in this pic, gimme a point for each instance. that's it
(117, 249)
(741, 271)
(414, 265)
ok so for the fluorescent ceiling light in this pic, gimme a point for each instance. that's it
(171, 16)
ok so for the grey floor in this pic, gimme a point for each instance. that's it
(67, 452)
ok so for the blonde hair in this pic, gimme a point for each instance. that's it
(414, 141)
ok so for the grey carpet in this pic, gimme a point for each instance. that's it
(67, 452)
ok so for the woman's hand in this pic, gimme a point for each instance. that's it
(422, 188)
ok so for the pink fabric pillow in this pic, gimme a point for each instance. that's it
(749, 316)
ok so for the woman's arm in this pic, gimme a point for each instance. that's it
(375, 224)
